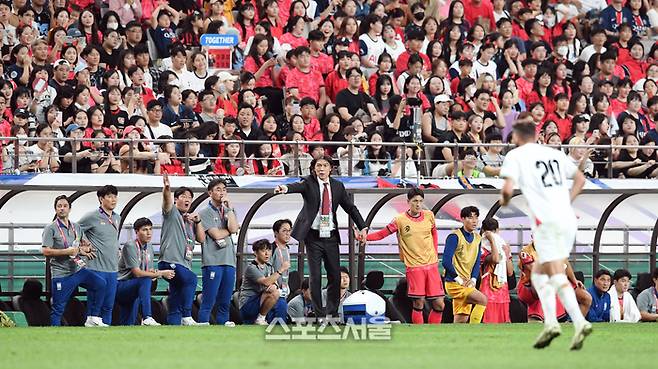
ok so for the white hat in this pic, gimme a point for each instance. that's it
(59, 62)
(226, 76)
(441, 98)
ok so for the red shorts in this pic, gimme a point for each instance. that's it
(424, 281)
(496, 312)
(535, 312)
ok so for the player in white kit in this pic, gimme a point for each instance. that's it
(541, 173)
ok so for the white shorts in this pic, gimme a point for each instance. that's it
(554, 241)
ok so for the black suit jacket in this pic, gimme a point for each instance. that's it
(310, 190)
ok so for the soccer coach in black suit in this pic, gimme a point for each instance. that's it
(317, 226)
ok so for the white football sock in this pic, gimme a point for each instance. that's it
(567, 297)
(546, 294)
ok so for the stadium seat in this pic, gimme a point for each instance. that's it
(642, 282)
(511, 281)
(74, 313)
(195, 312)
(116, 313)
(518, 311)
(374, 280)
(5, 306)
(447, 316)
(401, 301)
(17, 317)
(29, 302)
(294, 281)
(158, 311)
(234, 314)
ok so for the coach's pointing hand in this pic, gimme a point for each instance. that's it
(280, 189)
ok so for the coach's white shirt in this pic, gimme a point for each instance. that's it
(541, 173)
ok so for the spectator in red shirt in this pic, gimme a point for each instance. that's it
(263, 163)
(384, 63)
(320, 61)
(413, 88)
(397, 16)
(623, 45)
(560, 116)
(312, 130)
(261, 62)
(349, 29)
(536, 33)
(480, 11)
(290, 64)
(222, 85)
(231, 160)
(619, 103)
(542, 90)
(538, 114)
(635, 66)
(167, 156)
(337, 79)
(524, 84)
(294, 35)
(245, 21)
(270, 13)
(518, 23)
(305, 82)
(414, 44)
(136, 75)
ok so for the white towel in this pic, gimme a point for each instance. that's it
(631, 312)
(501, 268)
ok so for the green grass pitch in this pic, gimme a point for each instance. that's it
(444, 346)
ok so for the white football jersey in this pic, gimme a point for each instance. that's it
(541, 173)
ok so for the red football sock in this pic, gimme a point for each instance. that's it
(417, 316)
(435, 317)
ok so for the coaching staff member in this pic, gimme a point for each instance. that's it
(317, 226)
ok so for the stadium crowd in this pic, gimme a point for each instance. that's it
(437, 71)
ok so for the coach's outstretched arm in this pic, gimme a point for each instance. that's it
(167, 197)
(297, 187)
(348, 205)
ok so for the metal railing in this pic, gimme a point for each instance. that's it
(354, 152)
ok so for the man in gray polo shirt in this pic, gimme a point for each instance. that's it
(647, 300)
(301, 306)
(218, 254)
(135, 274)
(180, 229)
(62, 242)
(260, 300)
(101, 227)
(281, 252)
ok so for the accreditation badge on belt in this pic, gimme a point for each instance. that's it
(325, 226)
